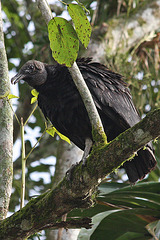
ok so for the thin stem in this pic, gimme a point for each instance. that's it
(46, 12)
(14, 113)
(35, 145)
(95, 14)
(30, 114)
(23, 165)
(62, 2)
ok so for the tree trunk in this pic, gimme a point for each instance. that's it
(6, 132)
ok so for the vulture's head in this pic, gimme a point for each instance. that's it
(33, 72)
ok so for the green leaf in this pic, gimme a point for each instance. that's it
(140, 195)
(64, 42)
(10, 96)
(96, 220)
(33, 100)
(82, 25)
(35, 94)
(137, 206)
(114, 224)
(5, 95)
(63, 137)
(52, 130)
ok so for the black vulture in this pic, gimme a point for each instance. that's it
(60, 101)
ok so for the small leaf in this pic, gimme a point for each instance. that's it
(63, 137)
(52, 130)
(82, 25)
(155, 140)
(10, 96)
(64, 42)
(5, 95)
(33, 100)
(35, 94)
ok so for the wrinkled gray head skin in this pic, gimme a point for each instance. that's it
(33, 72)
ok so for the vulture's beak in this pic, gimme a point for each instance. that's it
(17, 78)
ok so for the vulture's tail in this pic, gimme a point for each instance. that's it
(140, 165)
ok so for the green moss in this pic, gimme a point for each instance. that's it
(130, 32)
(99, 136)
(141, 21)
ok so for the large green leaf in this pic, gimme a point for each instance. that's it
(140, 195)
(64, 42)
(120, 224)
(121, 187)
(82, 25)
(96, 220)
(106, 188)
(122, 212)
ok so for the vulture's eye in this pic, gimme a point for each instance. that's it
(30, 68)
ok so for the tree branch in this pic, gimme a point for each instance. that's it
(49, 207)
(72, 223)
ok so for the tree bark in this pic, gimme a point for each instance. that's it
(6, 131)
(44, 211)
(120, 35)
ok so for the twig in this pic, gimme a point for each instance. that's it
(31, 114)
(23, 165)
(95, 13)
(35, 145)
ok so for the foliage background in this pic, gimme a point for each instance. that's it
(26, 38)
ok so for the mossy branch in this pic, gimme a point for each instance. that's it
(49, 207)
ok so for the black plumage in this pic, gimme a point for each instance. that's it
(60, 101)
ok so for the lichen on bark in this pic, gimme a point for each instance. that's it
(6, 132)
